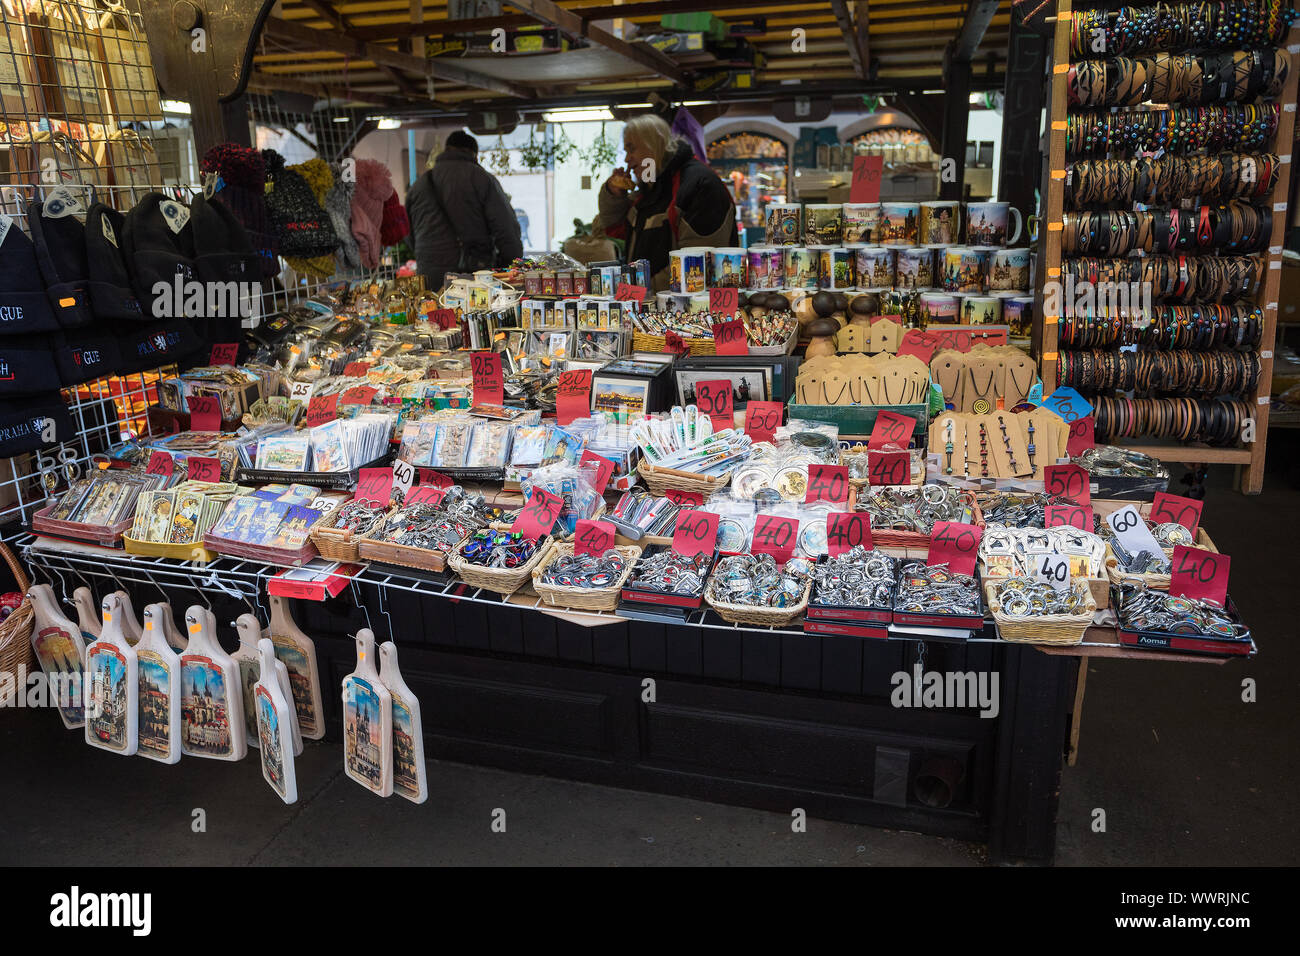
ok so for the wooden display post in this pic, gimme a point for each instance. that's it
(1046, 330)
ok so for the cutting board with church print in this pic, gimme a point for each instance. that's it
(212, 700)
(410, 778)
(87, 614)
(112, 685)
(160, 689)
(249, 659)
(368, 722)
(61, 654)
(275, 717)
(131, 626)
(298, 652)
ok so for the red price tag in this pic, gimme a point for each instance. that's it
(592, 537)
(889, 467)
(356, 369)
(444, 318)
(1200, 574)
(956, 545)
(775, 536)
(891, 429)
(538, 515)
(358, 395)
(375, 484)
(918, 343)
(205, 413)
(675, 345)
(224, 353)
(1183, 511)
(606, 469)
(762, 419)
(427, 494)
(687, 499)
(161, 463)
(713, 398)
(1081, 436)
(827, 483)
(1069, 516)
(729, 337)
(202, 469)
(625, 292)
(321, 409)
(435, 478)
(489, 382)
(1068, 481)
(724, 301)
(846, 530)
(865, 184)
(696, 533)
(573, 395)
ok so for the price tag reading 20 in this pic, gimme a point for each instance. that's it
(956, 545)
(538, 515)
(775, 536)
(696, 533)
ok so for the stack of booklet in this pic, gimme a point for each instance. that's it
(340, 445)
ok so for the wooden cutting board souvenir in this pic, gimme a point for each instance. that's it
(112, 688)
(212, 701)
(298, 652)
(87, 614)
(410, 777)
(368, 722)
(175, 639)
(275, 718)
(61, 653)
(248, 659)
(131, 626)
(160, 689)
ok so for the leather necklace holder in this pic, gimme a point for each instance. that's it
(948, 370)
(894, 385)
(981, 380)
(1019, 381)
(1016, 437)
(835, 389)
(809, 388)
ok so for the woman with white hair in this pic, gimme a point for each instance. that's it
(664, 199)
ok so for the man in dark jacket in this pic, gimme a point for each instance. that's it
(461, 219)
(680, 201)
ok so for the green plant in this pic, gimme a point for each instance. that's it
(601, 153)
(534, 155)
(500, 157)
(563, 147)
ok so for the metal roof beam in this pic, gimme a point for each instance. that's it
(571, 22)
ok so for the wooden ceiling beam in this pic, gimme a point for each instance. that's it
(979, 14)
(267, 83)
(855, 35)
(553, 14)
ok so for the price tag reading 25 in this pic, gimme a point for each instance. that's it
(538, 515)
(489, 383)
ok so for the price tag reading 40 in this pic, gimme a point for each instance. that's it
(956, 545)
(1070, 516)
(403, 476)
(696, 533)
(202, 469)
(593, 537)
(426, 494)
(827, 483)
(729, 338)
(435, 479)
(489, 383)
(1200, 574)
(1183, 511)
(762, 419)
(891, 429)
(375, 484)
(1053, 569)
(775, 536)
(1068, 481)
(889, 468)
(538, 515)
(714, 399)
(846, 530)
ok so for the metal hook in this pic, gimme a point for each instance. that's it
(383, 608)
(356, 597)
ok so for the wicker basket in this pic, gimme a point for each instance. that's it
(646, 342)
(760, 616)
(504, 581)
(885, 537)
(583, 599)
(16, 629)
(1059, 629)
(336, 544)
(1157, 582)
(662, 480)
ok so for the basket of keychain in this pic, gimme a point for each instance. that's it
(1149, 566)
(1036, 582)
(424, 529)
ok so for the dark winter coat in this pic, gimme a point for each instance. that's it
(480, 214)
(704, 212)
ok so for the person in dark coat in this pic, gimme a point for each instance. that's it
(461, 218)
(678, 202)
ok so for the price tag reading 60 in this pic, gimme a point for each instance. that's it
(696, 533)
(538, 515)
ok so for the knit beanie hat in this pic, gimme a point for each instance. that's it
(158, 343)
(299, 222)
(27, 365)
(60, 242)
(111, 295)
(224, 256)
(158, 246)
(24, 306)
(339, 206)
(394, 226)
(83, 355)
(373, 186)
(316, 173)
(25, 423)
(242, 187)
